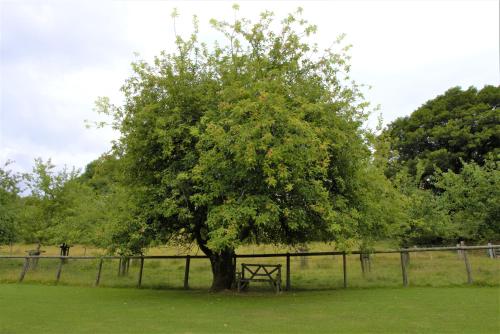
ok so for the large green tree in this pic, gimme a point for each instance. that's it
(257, 139)
(44, 202)
(460, 125)
(472, 200)
(109, 219)
(9, 204)
(59, 207)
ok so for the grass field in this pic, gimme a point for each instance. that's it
(49, 309)
(429, 269)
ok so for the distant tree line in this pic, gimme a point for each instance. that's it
(50, 206)
(444, 161)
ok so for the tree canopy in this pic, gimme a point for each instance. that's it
(443, 159)
(53, 205)
(9, 204)
(460, 125)
(472, 199)
(257, 139)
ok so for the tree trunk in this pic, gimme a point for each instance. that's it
(222, 262)
(223, 270)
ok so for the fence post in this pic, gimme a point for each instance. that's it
(120, 266)
(234, 269)
(25, 269)
(460, 249)
(467, 266)
(407, 257)
(139, 282)
(98, 277)
(362, 262)
(404, 269)
(288, 286)
(186, 272)
(303, 259)
(123, 266)
(58, 275)
(491, 251)
(344, 268)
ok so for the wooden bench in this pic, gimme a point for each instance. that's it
(270, 273)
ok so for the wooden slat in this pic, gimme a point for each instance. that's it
(25, 269)
(288, 284)
(120, 266)
(261, 270)
(98, 276)
(344, 268)
(186, 273)
(258, 265)
(467, 267)
(409, 250)
(404, 269)
(139, 281)
(59, 269)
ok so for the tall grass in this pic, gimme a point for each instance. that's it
(435, 269)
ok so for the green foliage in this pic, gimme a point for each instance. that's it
(63, 206)
(42, 208)
(9, 204)
(464, 206)
(109, 217)
(59, 207)
(380, 205)
(472, 199)
(425, 154)
(426, 222)
(458, 125)
(258, 139)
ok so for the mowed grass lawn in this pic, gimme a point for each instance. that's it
(62, 309)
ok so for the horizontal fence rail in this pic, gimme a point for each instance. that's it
(31, 262)
(117, 257)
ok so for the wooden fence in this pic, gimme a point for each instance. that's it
(492, 250)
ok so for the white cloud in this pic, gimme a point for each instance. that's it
(57, 57)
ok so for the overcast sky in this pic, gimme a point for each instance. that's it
(57, 57)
